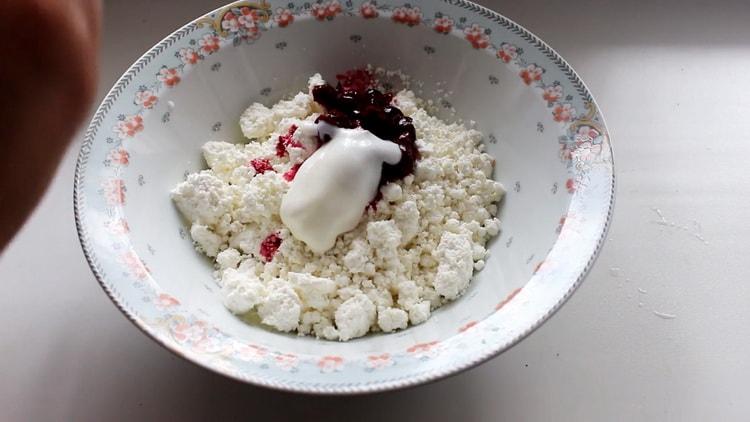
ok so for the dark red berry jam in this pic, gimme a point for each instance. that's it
(269, 246)
(355, 103)
(373, 205)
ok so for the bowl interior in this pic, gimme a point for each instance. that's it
(523, 131)
(206, 105)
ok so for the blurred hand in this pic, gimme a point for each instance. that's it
(47, 80)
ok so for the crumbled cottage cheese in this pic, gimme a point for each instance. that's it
(411, 252)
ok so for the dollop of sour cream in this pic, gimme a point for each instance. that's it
(334, 185)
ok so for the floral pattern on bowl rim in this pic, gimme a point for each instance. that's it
(584, 149)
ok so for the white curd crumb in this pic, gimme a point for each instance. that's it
(313, 291)
(406, 101)
(391, 192)
(281, 308)
(383, 236)
(261, 198)
(354, 317)
(223, 158)
(203, 198)
(242, 291)
(315, 80)
(357, 258)
(479, 265)
(228, 258)
(419, 313)
(258, 121)
(406, 217)
(454, 253)
(391, 319)
(206, 241)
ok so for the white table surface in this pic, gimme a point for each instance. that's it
(673, 79)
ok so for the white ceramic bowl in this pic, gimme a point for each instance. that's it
(541, 124)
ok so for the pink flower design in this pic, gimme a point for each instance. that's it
(330, 363)
(185, 332)
(585, 134)
(563, 113)
(507, 52)
(252, 33)
(423, 350)
(129, 126)
(209, 43)
(146, 98)
(120, 156)
(443, 25)
(552, 93)
(584, 145)
(531, 73)
(286, 361)
(248, 18)
(570, 185)
(170, 76)
(135, 265)
(566, 154)
(333, 8)
(189, 56)
(326, 10)
(164, 301)
(407, 15)
(414, 16)
(467, 326)
(368, 10)
(118, 226)
(399, 15)
(114, 191)
(507, 299)
(198, 335)
(588, 151)
(283, 17)
(476, 36)
(230, 23)
(251, 353)
(379, 361)
(318, 11)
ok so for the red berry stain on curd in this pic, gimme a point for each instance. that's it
(292, 172)
(286, 141)
(269, 246)
(261, 165)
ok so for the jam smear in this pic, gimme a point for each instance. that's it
(355, 103)
(261, 165)
(292, 172)
(356, 80)
(269, 246)
(287, 140)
